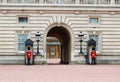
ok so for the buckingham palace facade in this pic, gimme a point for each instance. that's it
(59, 23)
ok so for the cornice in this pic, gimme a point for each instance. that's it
(58, 7)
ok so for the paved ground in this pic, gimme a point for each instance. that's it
(60, 73)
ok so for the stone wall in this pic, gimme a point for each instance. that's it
(76, 20)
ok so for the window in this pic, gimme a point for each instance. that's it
(97, 1)
(26, 1)
(33, 1)
(23, 20)
(52, 50)
(19, 1)
(21, 41)
(45, 1)
(62, 1)
(56, 1)
(73, 1)
(22, 1)
(12, 1)
(95, 37)
(94, 21)
(90, 1)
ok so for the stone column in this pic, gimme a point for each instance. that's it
(38, 1)
(77, 1)
(60, 2)
(94, 1)
(112, 2)
(41, 1)
(4, 1)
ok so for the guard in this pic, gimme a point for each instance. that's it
(93, 56)
(28, 54)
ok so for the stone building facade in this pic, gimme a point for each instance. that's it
(63, 19)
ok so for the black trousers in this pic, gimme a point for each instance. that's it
(28, 61)
(93, 61)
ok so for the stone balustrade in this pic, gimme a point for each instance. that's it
(106, 2)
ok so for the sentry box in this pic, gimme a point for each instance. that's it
(29, 47)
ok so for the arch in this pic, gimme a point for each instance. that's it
(66, 39)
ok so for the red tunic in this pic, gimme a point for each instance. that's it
(93, 54)
(28, 54)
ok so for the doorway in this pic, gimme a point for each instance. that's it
(53, 50)
(61, 47)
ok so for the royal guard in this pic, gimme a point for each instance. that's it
(28, 54)
(93, 56)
